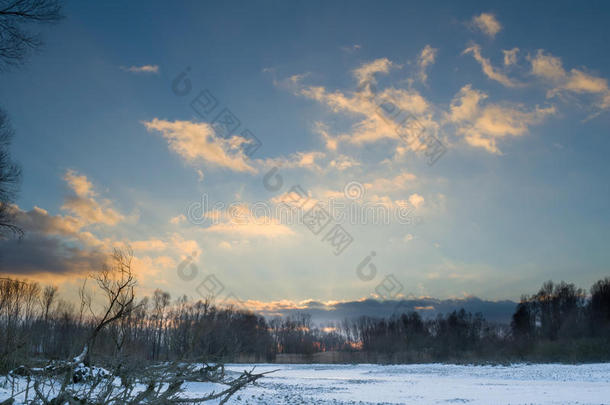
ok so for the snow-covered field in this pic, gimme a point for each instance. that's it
(428, 384)
(414, 384)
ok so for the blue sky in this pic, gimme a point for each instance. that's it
(516, 93)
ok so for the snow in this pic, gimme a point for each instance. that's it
(428, 384)
(81, 357)
(84, 373)
(422, 384)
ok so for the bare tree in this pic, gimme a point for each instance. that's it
(158, 384)
(10, 176)
(16, 41)
(117, 284)
(48, 298)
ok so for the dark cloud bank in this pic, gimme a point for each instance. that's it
(494, 311)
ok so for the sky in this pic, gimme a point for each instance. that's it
(278, 153)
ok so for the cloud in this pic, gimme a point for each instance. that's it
(178, 244)
(224, 245)
(52, 244)
(43, 253)
(371, 124)
(465, 106)
(240, 220)
(550, 68)
(510, 56)
(416, 200)
(426, 58)
(178, 219)
(482, 126)
(62, 244)
(148, 245)
(496, 122)
(290, 83)
(304, 160)
(156, 259)
(330, 142)
(314, 161)
(581, 82)
(547, 66)
(336, 311)
(366, 72)
(80, 184)
(343, 162)
(488, 69)
(154, 69)
(84, 204)
(406, 100)
(351, 49)
(65, 245)
(375, 114)
(268, 228)
(85, 207)
(197, 142)
(487, 24)
(39, 220)
(386, 185)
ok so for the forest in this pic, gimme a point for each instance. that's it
(560, 322)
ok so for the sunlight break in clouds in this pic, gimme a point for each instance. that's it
(487, 23)
(197, 141)
(240, 220)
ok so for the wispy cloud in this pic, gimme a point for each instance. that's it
(425, 59)
(306, 160)
(150, 69)
(488, 69)
(351, 49)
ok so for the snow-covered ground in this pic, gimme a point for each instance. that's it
(415, 384)
(428, 384)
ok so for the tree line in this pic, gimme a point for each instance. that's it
(36, 323)
(559, 322)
